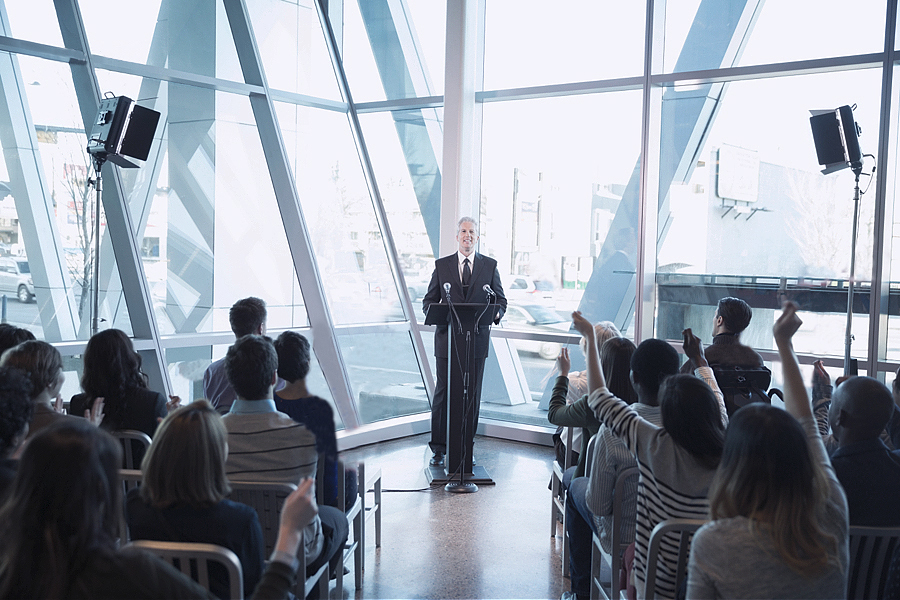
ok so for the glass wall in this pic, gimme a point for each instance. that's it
(637, 180)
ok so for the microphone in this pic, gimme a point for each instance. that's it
(487, 288)
(447, 288)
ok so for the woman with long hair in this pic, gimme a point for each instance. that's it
(112, 371)
(779, 516)
(182, 497)
(676, 460)
(60, 522)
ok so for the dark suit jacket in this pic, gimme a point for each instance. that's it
(446, 270)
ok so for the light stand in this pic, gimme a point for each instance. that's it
(851, 283)
(122, 128)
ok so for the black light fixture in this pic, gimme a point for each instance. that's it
(836, 136)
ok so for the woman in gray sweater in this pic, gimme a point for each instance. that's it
(779, 515)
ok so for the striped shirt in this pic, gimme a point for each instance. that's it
(266, 445)
(672, 485)
(611, 457)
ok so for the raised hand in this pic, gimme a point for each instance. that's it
(563, 363)
(173, 403)
(95, 413)
(693, 348)
(582, 325)
(787, 324)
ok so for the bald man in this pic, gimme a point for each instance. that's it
(868, 471)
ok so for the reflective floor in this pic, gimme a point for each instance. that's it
(494, 543)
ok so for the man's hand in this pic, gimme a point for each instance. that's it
(563, 363)
(787, 324)
(582, 325)
(693, 348)
(821, 383)
(173, 403)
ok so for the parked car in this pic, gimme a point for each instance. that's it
(15, 276)
(538, 319)
(524, 290)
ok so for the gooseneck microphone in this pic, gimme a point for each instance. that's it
(487, 288)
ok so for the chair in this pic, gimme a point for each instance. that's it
(194, 559)
(370, 482)
(134, 446)
(618, 527)
(267, 499)
(558, 497)
(685, 529)
(871, 551)
(131, 478)
(352, 548)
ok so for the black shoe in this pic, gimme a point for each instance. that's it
(437, 460)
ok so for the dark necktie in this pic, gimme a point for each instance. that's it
(467, 273)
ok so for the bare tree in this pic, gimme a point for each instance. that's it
(80, 199)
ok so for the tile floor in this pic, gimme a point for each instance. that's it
(494, 543)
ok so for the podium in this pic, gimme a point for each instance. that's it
(464, 321)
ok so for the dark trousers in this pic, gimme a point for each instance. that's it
(335, 530)
(439, 403)
(580, 527)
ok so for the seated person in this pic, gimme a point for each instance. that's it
(295, 400)
(577, 388)
(779, 516)
(43, 364)
(16, 411)
(112, 371)
(11, 336)
(868, 471)
(182, 496)
(63, 490)
(267, 445)
(733, 315)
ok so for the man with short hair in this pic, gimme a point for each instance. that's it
(266, 445)
(732, 318)
(247, 316)
(868, 471)
(467, 273)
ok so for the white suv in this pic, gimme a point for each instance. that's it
(15, 276)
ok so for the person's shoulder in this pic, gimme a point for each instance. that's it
(487, 259)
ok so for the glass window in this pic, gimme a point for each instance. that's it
(292, 46)
(209, 218)
(558, 211)
(698, 32)
(749, 214)
(188, 35)
(335, 200)
(528, 42)
(389, 53)
(34, 21)
(405, 147)
(384, 375)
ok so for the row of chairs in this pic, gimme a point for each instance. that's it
(871, 549)
(267, 499)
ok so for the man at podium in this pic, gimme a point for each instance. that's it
(465, 277)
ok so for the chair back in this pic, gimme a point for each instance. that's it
(684, 529)
(134, 445)
(266, 499)
(626, 477)
(194, 561)
(742, 385)
(871, 552)
(130, 478)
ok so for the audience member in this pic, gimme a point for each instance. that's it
(867, 470)
(112, 371)
(577, 389)
(266, 445)
(676, 461)
(43, 364)
(295, 401)
(11, 336)
(16, 410)
(616, 357)
(247, 316)
(733, 315)
(67, 489)
(182, 497)
(779, 516)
